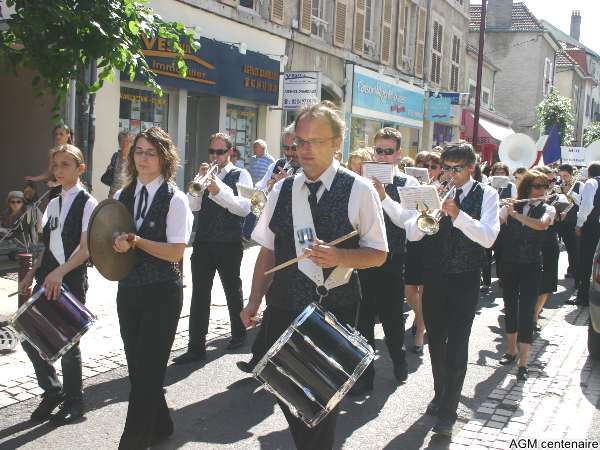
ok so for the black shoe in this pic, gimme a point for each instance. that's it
(401, 371)
(522, 373)
(47, 405)
(190, 357)
(246, 367)
(361, 387)
(507, 359)
(432, 409)
(236, 342)
(417, 350)
(162, 434)
(444, 427)
(69, 412)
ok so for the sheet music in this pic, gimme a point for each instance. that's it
(420, 173)
(419, 197)
(499, 182)
(383, 172)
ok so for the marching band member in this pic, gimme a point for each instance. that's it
(217, 248)
(526, 225)
(65, 224)
(453, 258)
(566, 227)
(338, 202)
(383, 287)
(149, 299)
(588, 230)
(500, 169)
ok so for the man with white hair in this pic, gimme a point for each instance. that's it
(260, 161)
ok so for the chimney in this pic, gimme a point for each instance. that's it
(575, 24)
(499, 14)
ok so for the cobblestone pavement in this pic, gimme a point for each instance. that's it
(557, 402)
(101, 347)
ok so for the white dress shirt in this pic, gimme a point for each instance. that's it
(179, 218)
(56, 210)
(364, 211)
(550, 212)
(577, 195)
(397, 214)
(587, 201)
(483, 231)
(262, 183)
(225, 198)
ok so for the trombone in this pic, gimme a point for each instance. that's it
(429, 223)
(200, 182)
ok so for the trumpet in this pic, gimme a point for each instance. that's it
(200, 182)
(429, 223)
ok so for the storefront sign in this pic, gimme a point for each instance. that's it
(440, 105)
(573, 155)
(300, 89)
(380, 97)
(216, 68)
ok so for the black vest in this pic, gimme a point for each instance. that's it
(215, 223)
(592, 218)
(396, 236)
(520, 243)
(280, 164)
(150, 269)
(291, 289)
(76, 280)
(507, 191)
(571, 216)
(449, 250)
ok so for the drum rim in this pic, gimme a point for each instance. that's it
(36, 295)
(71, 344)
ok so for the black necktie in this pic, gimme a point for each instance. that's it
(459, 192)
(142, 204)
(312, 198)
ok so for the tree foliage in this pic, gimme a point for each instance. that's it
(591, 133)
(556, 108)
(59, 38)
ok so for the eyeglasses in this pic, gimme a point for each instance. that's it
(540, 186)
(289, 147)
(147, 153)
(430, 166)
(385, 151)
(217, 151)
(299, 142)
(455, 169)
(15, 202)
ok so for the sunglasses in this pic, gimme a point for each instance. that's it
(289, 147)
(455, 169)
(217, 151)
(540, 186)
(430, 166)
(15, 201)
(385, 151)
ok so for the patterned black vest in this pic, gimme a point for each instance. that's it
(150, 269)
(76, 280)
(520, 243)
(215, 223)
(396, 236)
(449, 250)
(291, 289)
(592, 218)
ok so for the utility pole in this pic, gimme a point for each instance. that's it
(479, 72)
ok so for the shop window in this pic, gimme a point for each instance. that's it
(141, 109)
(241, 126)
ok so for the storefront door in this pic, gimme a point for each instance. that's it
(202, 121)
(241, 124)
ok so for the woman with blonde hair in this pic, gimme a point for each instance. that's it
(357, 157)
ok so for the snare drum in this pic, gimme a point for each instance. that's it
(52, 326)
(313, 365)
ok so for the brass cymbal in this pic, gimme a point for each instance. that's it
(109, 219)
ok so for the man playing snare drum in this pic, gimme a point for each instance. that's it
(332, 201)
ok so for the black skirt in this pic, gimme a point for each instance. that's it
(413, 267)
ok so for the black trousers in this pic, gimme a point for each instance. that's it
(590, 233)
(383, 296)
(207, 259)
(322, 436)
(486, 274)
(449, 304)
(148, 317)
(566, 232)
(70, 362)
(520, 291)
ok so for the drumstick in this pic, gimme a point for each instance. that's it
(295, 260)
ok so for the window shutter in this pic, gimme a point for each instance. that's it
(277, 11)
(359, 27)
(401, 33)
(305, 16)
(420, 47)
(386, 32)
(339, 36)
(231, 2)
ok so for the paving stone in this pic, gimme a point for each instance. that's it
(485, 410)
(495, 424)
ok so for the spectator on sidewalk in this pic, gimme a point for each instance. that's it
(115, 172)
(260, 161)
(236, 158)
